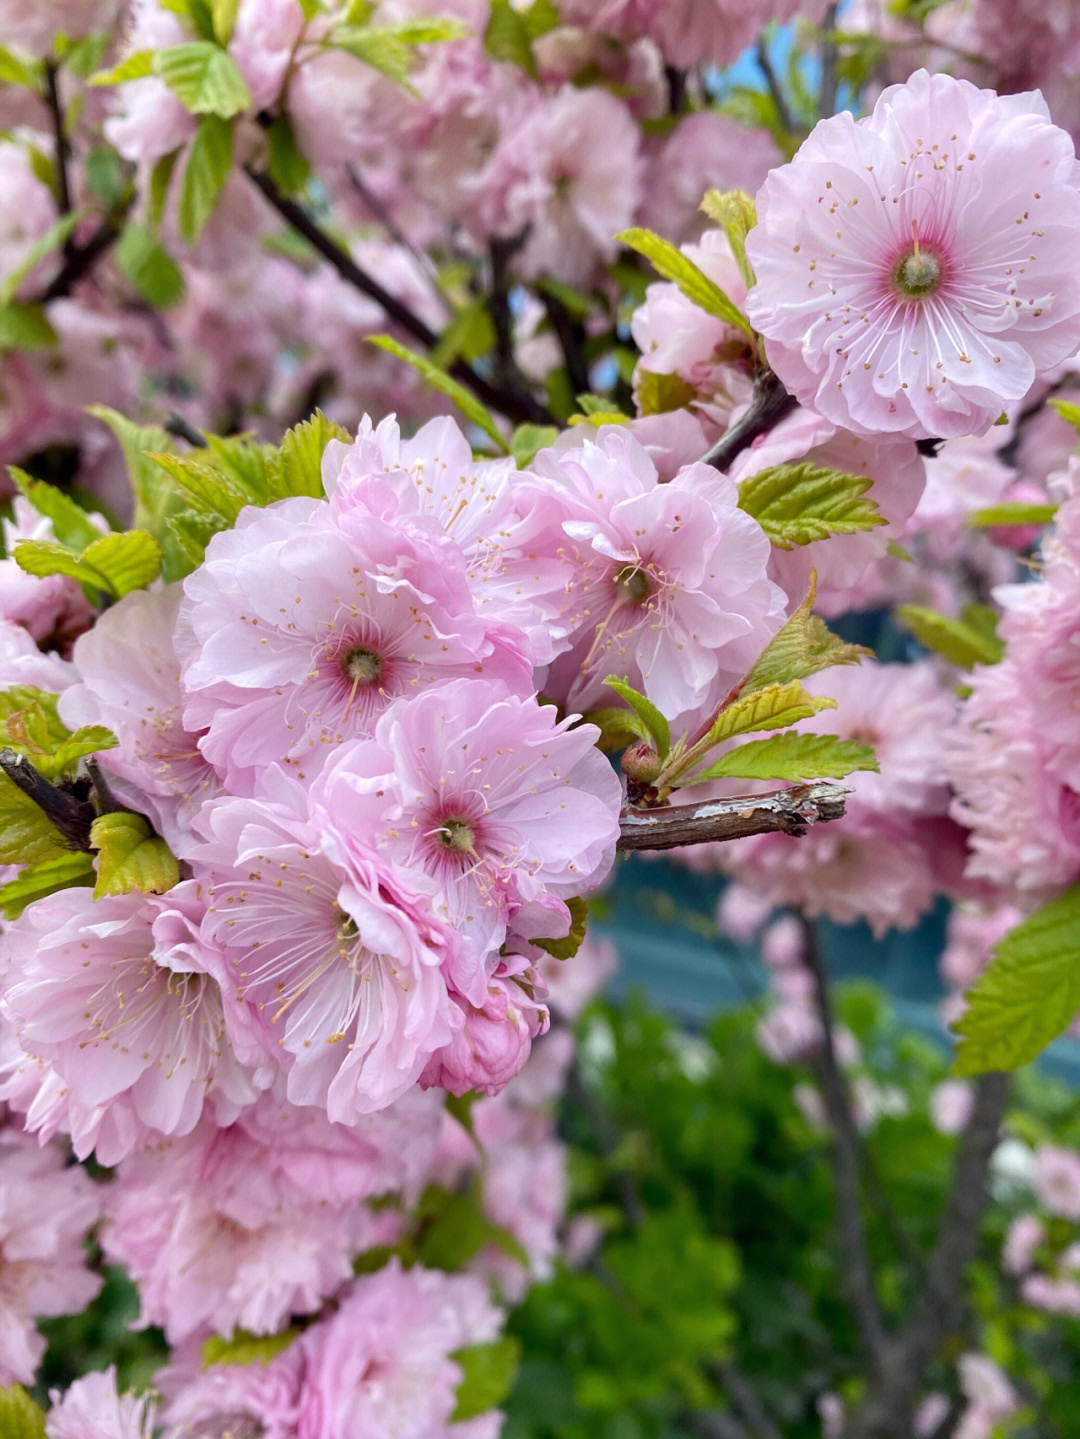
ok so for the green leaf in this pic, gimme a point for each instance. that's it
(801, 648)
(204, 78)
(618, 728)
(488, 1375)
(106, 178)
(569, 945)
(115, 564)
(35, 881)
(660, 394)
(799, 503)
(191, 533)
(469, 335)
(131, 858)
(297, 468)
(245, 1348)
(694, 283)
(507, 38)
(27, 835)
(208, 164)
(137, 66)
(962, 641)
(657, 726)
(158, 188)
(223, 15)
(528, 440)
(774, 706)
(734, 211)
(457, 1230)
(91, 739)
(792, 757)
(16, 71)
(20, 1417)
(156, 499)
(390, 48)
(25, 327)
(1068, 411)
(466, 402)
(55, 236)
(148, 265)
(82, 57)
(288, 167)
(71, 524)
(1028, 993)
(1013, 512)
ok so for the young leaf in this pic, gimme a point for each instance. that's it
(488, 1375)
(528, 440)
(52, 239)
(156, 499)
(390, 48)
(114, 564)
(800, 503)
(659, 394)
(149, 266)
(773, 706)
(131, 858)
(27, 835)
(1012, 512)
(569, 945)
(657, 726)
(202, 485)
(16, 71)
(791, 757)
(288, 167)
(133, 67)
(223, 17)
(618, 728)
(204, 78)
(35, 881)
(1069, 412)
(208, 165)
(71, 524)
(965, 642)
(466, 402)
(1028, 993)
(694, 283)
(244, 1348)
(297, 467)
(20, 1417)
(25, 327)
(802, 647)
(735, 213)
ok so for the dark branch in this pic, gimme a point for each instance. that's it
(570, 334)
(521, 408)
(81, 259)
(70, 816)
(777, 95)
(60, 143)
(857, 1271)
(786, 811)
(829, 57)
(770, 404)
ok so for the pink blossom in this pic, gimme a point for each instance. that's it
(665, 584)
(30, 207)
(691, 32)
(52, 608)
(31, 26)
(113, 994)
(380, 1368)
(950, 1106)
(93, 1409)
(1054, 1294)
(46, 1210)
(262, 1397)
(914, 268)
(262, 44)
(1056, 1180)
(1024, 1237)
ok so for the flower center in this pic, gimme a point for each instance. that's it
(918, 273)
(633, 585)
(363, 666)
(456, 835)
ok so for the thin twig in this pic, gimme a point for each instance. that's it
(770, 404)
(61, 148)
(858, 1274)
(785, 811)
(521, 408)
(82, 258)
(422, 261)
(829, 57)
(779, 99)
(69, 815)
(570, 334)
(746, 1403)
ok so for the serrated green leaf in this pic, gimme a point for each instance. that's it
(288, 167)
(82, 57)
(35, 881)
(115, 564)
(201, 485)
(801, 648)
(1069, 411)
(1027, 995)
(144, 261)
(657, 726)
(192, 533)
(17, 71)
(30, 722)
(569, 945)
(528, 440)
(774, 706)
(131, 858)
(91, 739)
(1013, 512)
(25, 327)
(20, 1417)
(670, 262)
(297, 467)
(660, 394)
(137, 66)
(208, 164)
(390, 49)
(791, 757)
(71, 524)
(27, 836)
(204, 78)
(223, 17)
(488, 1375)
(961, 642)
(156, 499)
(799, 503)
(245, 1348)
(734, 211)
(466, 402)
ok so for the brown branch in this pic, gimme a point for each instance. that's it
(770, 404)
(69, 815)
(81, 259)
(857, 1272)
(519, 407)
(785, 811)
